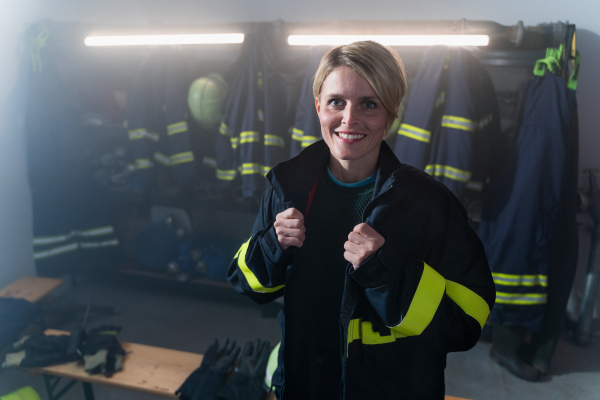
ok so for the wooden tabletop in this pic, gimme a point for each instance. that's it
(32, 288)
(147, 369)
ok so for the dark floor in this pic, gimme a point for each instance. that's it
(189, 316)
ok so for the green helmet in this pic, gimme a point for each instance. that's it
(205, 99)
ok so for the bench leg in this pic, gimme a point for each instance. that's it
(88, 391)
(53, 381)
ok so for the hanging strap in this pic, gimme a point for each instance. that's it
(551, 61)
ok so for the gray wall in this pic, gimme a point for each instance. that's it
(15, 203)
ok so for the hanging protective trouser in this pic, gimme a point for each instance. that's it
(252, 134)
(71, 226)
(157, 119)
(307, 128)
(528, 226)
(451, 122)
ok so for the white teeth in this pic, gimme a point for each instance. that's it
(350, 137)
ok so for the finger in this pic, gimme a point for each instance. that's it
(291, 213)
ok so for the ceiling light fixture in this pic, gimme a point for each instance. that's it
(391, 40)
(148, 40)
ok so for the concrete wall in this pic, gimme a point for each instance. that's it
(15, 208)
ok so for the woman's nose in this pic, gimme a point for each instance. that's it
(350, 116)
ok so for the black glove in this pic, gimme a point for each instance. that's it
(248, 382)
(205, 381)
(102, 353)
(40, 351)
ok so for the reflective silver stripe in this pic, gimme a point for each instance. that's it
(297, 134)
(162, 158)
(39, 255)
(209, 162)
(525, 299)
(226, 174)
(451, 121)
(475, 186)
(308, 140)
(520, 280)
(250, 168)
(273, 140)
(249, 137)
(448, 172)
(98, 245)
(224, 129)
(143, 133)
(181, 158)
(177, 127)
(415, 133)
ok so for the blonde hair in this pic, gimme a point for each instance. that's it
(379, 65)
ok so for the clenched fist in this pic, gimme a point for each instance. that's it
(289, 227)
(362, 242)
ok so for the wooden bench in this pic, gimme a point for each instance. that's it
(31, 288)
(148, 369)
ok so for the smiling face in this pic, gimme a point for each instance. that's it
(353, 124)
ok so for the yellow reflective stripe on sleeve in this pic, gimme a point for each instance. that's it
(274, 140)
(266, 169)
(297, 134)
(425, 303)
(251, 168)
(177, 127)
(415, 133)
(142, 133)
(470, 302)
(162, 158)
(98, 245)
(255, 285)
(523, 299)
(143, 163)
(224, 129)
(451, 121)
(448, 172)
(181, 158)
(235, 142)
(209, 162)
(39, 255)
(249, 137)
(520, 280)
(308, 140)
(475, 186)
(226, 174)
(260, 114)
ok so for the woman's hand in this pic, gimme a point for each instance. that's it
(362, 242)
(289, 227)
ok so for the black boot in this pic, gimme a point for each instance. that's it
(506, 346)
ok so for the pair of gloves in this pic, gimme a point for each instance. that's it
(209, 381)
(99, 349)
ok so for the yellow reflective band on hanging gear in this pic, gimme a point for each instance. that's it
(249, 137)
(141, 133)
(181, 158)
(441, 99)
(273, 140)
(162, 158)
(224, 129)
(253, 282)
(574, 77)
(260, 115)
(98, 245)
(251, 168)
(266, 169)
(470, 302)
(524, 299)
(177, 127)
(451, 121)
(448, 172)
(297, 134)
(39, 255)
(415, 133)
(308, 140)
(143, 163)
(475, 186)
(520, 280)
(209, 162)
(226, 174)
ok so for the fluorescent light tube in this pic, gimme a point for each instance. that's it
(391, 40)
(146, 40)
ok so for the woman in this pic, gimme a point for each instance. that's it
(381, 274)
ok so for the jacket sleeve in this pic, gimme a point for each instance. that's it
(259, 266)
(449, 291)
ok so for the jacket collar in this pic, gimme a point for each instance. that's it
(293, 179)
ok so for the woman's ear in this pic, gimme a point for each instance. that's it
(317, 105)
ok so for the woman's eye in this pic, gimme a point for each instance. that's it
(335, 102)
(369, 104)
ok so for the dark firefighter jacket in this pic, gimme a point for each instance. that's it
(452, 125)
(426, 292)
(529, 226)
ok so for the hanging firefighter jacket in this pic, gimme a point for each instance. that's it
(451, 122)
(71, 226)
(307, 128)
(252, 134)
(157, 119)
(528, 226)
